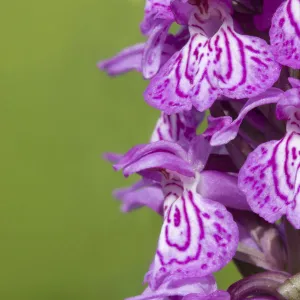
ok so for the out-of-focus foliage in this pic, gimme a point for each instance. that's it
(62, 235)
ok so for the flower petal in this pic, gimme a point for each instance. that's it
(218, 295)
(270, 179)
(295, 83)
(198, 237)
(155, 10)
(179, 287)
(260, 242)
(153, 49)
(227, 63)
(180, 128)
(223, 135)
(222, 187)
(112, 157)
(141, 194)
(199, 152)
(127, 60)
(158, 155)
(287, 105)
(181, 10)
(285, 34)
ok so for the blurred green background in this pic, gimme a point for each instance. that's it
(62, 235)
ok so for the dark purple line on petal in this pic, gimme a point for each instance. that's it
(250, 48)
(242, 52)
(274, 168)
(229, 58)
(258, 61)
(188, 235)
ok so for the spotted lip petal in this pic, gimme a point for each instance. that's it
(172, 287)
(215, 62)
(223, 129)
(285, 34)
(270, 179)
(198, 237)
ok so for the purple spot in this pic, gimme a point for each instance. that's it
(204, 267)
(294, 153)
(206, 215)
(281, 22)
(219, 214)
(217, 238)
(177, 217)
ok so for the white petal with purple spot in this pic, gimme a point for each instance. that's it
(198, 236)
(270, 179)
(285, 34)
(216, 61)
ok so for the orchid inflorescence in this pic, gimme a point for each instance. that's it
(232, 192)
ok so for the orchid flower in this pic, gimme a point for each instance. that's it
(216, 61)
(178, 128)
(196, 223)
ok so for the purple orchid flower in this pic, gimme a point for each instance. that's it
(178, 128)
(216, 61)
(196, 226)
(270, 185)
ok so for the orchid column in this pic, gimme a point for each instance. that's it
(231, 192)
